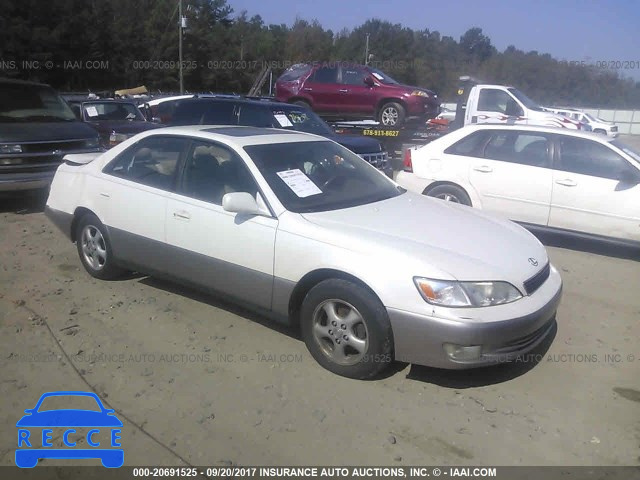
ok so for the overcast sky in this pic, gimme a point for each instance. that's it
(573, 30)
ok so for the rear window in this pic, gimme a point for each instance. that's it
(295, 72)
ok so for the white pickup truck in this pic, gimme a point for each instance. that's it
(508, 105)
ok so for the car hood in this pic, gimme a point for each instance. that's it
(69, 418)
(410, 88)
(125, 126)
(44, 131)
(357, 143)
(436, 237)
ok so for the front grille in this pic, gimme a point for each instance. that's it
(378, 160)
(522, 343)
(64, 146)
(535, 282)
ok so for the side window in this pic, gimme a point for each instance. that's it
(586, 157)
(325, 75)
(256, 116)
(470, 146)
(212, 170)
(525, 148)
(492, 100)
(219, 113)
(188, 113)
(353, 76)
(152, 161)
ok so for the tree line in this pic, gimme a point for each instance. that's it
(94, 45)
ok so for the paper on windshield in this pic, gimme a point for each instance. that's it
(297, 181)
(92, 111)
(283, 120)
(377, 75)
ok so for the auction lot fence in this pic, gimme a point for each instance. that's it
(628, 121)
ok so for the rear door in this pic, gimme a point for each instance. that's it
(594, 190)
(133, 193)
(513, 175)
(323, 87)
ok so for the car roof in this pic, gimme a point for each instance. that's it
(536, 128)
(266, 101)
(23, 82)
(238, 135)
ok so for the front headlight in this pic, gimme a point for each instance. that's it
(449, 293)
(419, 93)
(10, 148)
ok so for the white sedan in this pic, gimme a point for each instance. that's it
(301, 229)
(567, 181)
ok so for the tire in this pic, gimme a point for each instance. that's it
(392, 114)
(450, 193)
(360, 318)
(94, 249)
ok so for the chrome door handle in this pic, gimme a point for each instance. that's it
(483, 169)
(308, 89)
(183, 215)
(344, 90)
(567, 183)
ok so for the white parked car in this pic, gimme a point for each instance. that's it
(563, 180)
(597, 124)
(303, 230)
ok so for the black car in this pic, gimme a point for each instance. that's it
(37, 129)
(230, 110)
(115, 120)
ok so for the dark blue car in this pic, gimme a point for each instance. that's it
(31, 449)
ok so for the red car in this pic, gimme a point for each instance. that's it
(344, 90)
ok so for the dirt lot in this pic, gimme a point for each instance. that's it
(196, 380)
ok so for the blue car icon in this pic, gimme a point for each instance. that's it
(30, 449)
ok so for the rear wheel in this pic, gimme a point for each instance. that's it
(346, 329)
(391, 114)
(450, 193)
(94, 249)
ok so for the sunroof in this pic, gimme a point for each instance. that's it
(247, 131)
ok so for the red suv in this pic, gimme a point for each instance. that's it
(346, 90)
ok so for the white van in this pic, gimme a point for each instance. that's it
(597, 124)
(508, 105)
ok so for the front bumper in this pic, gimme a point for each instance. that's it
(13, 182)
(419, 338)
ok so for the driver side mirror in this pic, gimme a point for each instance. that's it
(368, 81)
(243, 203)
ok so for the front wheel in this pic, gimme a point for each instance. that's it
(450, 193)
(391, 115)
(94, 249)
(346, 329)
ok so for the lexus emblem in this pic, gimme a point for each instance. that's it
(533, 261)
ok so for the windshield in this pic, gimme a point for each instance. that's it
(302, 120)
(383, 77)
(632, 152)
(32, 103)
(526, 101)
(319, 176)
(591, 117)
(101, 111)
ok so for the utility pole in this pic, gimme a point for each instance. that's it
(180, 26)
(366, 51)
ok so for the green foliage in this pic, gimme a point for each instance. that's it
(137, 41)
